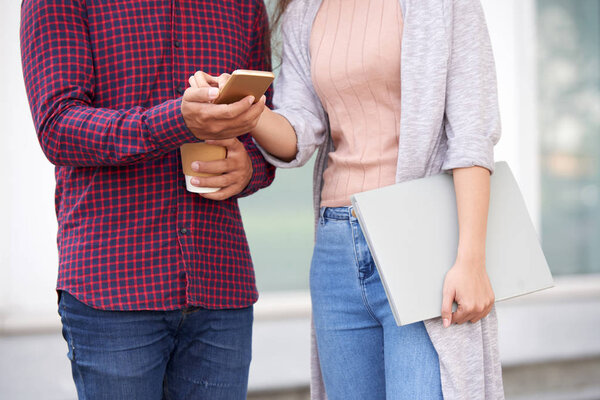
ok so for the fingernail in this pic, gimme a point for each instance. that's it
(213, 92)
(446, 322)
(195, 181)
(195, 166)
(251, 100)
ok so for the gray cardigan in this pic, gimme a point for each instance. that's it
(449, 119)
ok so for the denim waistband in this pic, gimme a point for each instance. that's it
(342, 213)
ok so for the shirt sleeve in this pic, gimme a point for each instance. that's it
(472, 118)
(59, 77)
(260, 59)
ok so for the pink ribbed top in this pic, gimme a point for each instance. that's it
(355, 66)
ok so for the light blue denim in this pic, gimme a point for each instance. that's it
(364, 355)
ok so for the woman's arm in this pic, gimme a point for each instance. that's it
(273, 132)
(276, 135)
(467, 282)
(472, 127)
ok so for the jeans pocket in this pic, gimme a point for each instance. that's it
(364, 259)
(66, 330)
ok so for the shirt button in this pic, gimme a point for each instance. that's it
(180, 90)
(177, 43)
(183, 231)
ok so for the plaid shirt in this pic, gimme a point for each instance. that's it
(104, 80)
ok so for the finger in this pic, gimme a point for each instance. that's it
(447, 301)
(222, 194)
(204, 79)
(458, 316)
(256, 110)
(230, 144)
(489, 310)
(200, 94)
(233, 110)
(462, 314)
(250, 118)
(476, 315)
(222, 80)
(200, 79)
(218, 181)
(482, 314)
(212, 167)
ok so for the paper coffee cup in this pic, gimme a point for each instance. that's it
(191, 152)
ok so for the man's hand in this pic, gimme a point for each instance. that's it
(236, 170)
(202, 79)
(218, 121)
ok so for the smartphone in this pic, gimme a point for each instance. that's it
(245, 82)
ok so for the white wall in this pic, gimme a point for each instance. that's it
(512, 29)
(28, 259)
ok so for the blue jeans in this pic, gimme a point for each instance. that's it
(364, 355)
(192, 353)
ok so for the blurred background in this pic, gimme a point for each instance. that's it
(548, 62)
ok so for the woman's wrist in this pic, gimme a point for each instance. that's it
(276, 135)
(471, 257)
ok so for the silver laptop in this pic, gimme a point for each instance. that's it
(412, 232)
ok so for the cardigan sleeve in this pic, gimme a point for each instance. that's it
(472, 119)
(294, 95)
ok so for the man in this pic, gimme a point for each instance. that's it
(155, 283)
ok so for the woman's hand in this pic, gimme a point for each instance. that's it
(467, 282)
(468, 285)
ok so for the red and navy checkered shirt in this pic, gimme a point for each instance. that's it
(104, 81)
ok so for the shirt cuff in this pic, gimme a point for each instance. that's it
(262, 172)
(166, 125)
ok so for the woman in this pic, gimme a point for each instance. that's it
(389, 91)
